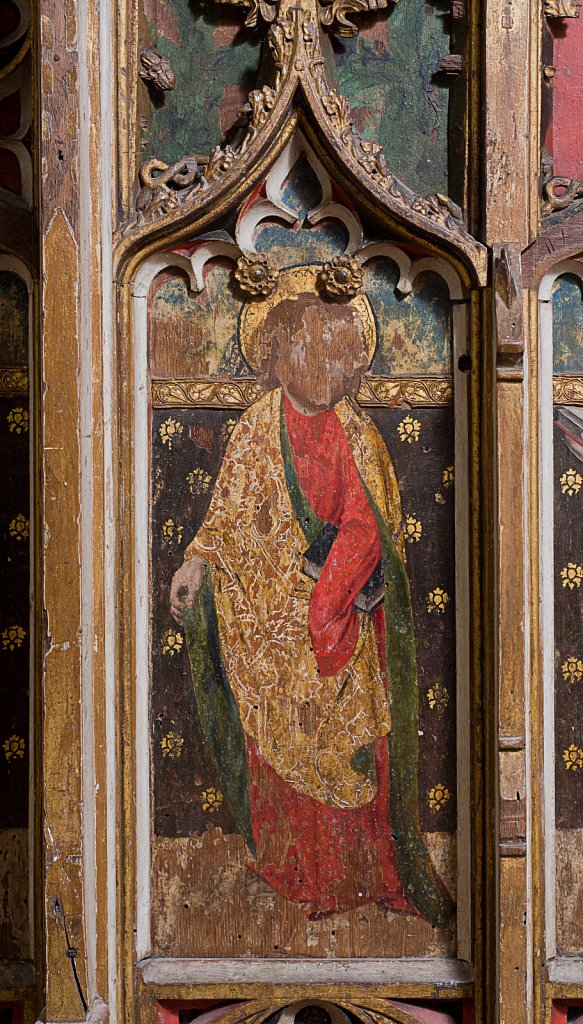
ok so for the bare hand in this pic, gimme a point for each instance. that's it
(186, 583)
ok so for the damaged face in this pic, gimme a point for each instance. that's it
(315, 350)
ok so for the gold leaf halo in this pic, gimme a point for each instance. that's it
(293, 282)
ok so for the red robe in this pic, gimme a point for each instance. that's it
(328, 858)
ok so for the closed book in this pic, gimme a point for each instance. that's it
(373, 591)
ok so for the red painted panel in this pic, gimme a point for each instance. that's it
(564, 137)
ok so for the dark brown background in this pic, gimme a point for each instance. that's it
(568, 541)
(179, 782)
(14, 610)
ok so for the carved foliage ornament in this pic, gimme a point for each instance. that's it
(156, 70)
(560, 192)
(13, 381)
(392, 392)
(562, 9)
(333, 13)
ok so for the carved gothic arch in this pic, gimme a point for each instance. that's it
(176, 200)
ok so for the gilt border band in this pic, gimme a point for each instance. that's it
(13, 381)
(238, 394)
(567, 390)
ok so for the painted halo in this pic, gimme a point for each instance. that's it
(292, 283)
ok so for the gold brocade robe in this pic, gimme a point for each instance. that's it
(308, 727)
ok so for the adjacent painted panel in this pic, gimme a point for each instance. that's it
(568, 617)
(562, 137)
(14, 618)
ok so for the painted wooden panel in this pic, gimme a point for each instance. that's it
(13, 319)
(562, 136)
(14, 618)
(304, 774)
(568, 617)
(568, 326)
(389, 72)
(188, 449)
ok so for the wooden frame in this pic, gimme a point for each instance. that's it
(88, 221)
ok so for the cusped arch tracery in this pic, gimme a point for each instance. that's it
(183, 198)
(367, 1010)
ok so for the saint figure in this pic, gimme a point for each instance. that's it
(309, 704)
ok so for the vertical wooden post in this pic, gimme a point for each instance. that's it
(71, 591)
(510, 208)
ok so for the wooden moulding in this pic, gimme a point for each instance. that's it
(435, 973)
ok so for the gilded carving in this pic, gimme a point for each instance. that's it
(567, 390)
(405, 391)
(562, 9)
(560, 192)
(238, 394)
(341, 277)
(333, 13)
(256, 276)
(294, 41)
(209, 394)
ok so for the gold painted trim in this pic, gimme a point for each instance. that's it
(238, 394)
(405, 391)
(567, 390)
(205, 394)
(13, 381)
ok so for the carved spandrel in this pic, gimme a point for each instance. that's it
(294, 39)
